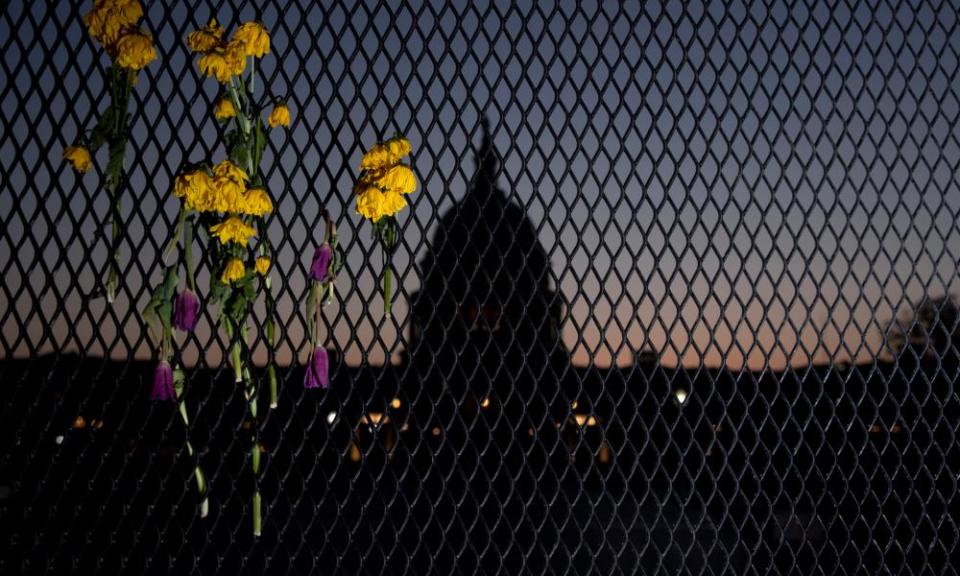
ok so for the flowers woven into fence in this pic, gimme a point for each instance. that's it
(113, 24)
(229, 205)
(381, 191)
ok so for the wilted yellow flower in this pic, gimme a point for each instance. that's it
(233, 229)
(400, 179)
(224, 109)
(236, 57)
(385, 154)
(134, 50)
(79, 157)
(207, 38)
(227, 169)
(214, 64)
(109, 17)
(197, 190)
(262, 265)
(255, 39)
(279, 116)
(232, 272)
(256, 202)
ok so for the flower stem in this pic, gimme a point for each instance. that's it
(386, 288)
(197, 470)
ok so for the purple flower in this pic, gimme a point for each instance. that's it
(186, 308)
(163, 383)
(318, 369)
(321, 263)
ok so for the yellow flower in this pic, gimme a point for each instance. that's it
(256, 202)
(232, 272)
(236, 57)
(214, 64)
(197, 190)
(398, 179)
(233, 229)
(207, 38)
(224, 109)
(79, 157)
(135, 50)
(109, 17)
(263, 265)
(254, 37)
(385, 154)
(393, 202)
(279, 116)
(229, 170)
(370, 203)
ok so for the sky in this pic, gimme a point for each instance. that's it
(727, 183)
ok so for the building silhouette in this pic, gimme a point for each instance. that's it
(485, 326)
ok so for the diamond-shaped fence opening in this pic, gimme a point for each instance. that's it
(675, 295)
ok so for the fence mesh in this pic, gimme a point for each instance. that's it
(674, 296)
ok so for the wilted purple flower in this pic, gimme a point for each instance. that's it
(321, 262)
(163, 383)
(186, 309)
(318, 369)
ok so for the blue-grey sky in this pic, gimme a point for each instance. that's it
(725, 182)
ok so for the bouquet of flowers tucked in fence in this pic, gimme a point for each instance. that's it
(380, 189)
(113, 23)
(228, 205)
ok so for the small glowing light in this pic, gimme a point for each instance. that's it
(585, 420)
(96, 423)
(530, 432)
(354, 452)
(374, 418)
(79, 422)
(574, 404)
(405, 427)
(681, 395)
(604, 453)
(331, 416)
(59, 439)
(485, 403)
(435, 431)
(396, 403)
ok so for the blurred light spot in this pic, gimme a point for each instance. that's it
(681, 396)
(435, 431)
(331, 416)
(79, 423)
(485, 403)
(354, 452)
(59, 439)
(396, 403)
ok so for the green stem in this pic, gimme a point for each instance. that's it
(386, 288)
(197, 470)
(188, 255)
(120, 90)
(236, 361)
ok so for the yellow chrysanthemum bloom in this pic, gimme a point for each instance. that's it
(279, 116)
(109, 17)
(197, 190)
(255, 39)
(385, 154)
(207, 38)
(79, 157)
(224, 109)
(236, 57)
(134, 50)
(393, 202)
(227, 169)
(233, 271)
(400, 179)
(256, 202)
(262, 265)
(370, 203)
(214, 64)
(233, 229)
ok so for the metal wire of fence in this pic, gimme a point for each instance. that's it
(674, 297)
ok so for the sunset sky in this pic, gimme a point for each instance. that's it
(728, 185)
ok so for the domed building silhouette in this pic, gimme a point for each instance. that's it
(485, 326)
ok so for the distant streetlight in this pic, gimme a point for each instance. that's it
(681, 396)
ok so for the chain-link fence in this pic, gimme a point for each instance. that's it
(674, 296)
